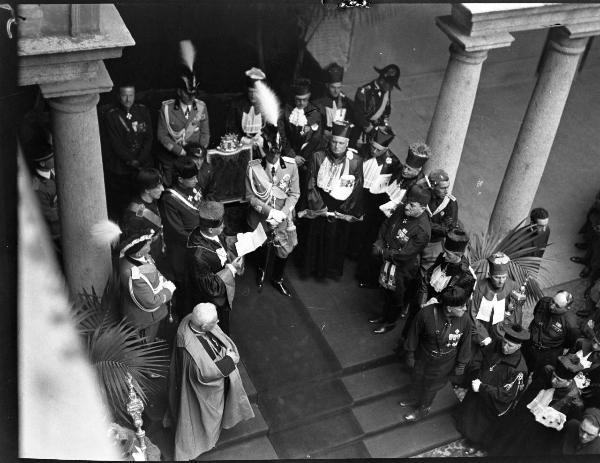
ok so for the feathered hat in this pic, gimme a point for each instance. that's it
(108, 232)
(187, 78)
(267, 101)
(253, 75)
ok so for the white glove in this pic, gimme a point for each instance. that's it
(170, 286)
(476, 384)
(277, 216)
(486, 341)
(388, 208)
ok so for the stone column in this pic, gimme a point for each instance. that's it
(537, 132)
(448, 129)
(80, 189)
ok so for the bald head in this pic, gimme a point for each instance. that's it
(204, 316)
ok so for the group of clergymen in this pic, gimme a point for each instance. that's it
(308, 187)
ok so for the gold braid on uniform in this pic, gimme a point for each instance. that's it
(264, 197)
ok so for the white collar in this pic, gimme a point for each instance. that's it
(45, 173)
(214, 238)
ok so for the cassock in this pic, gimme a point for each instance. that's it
(206, 393)
(334, 188)
(503, 379)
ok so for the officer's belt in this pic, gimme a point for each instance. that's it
(543, 348)
(146, 213)
(439, 354)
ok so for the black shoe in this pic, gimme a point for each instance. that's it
(260, 278)
(384, 329)
(417, 415)
(279, 286)
(582, 246)
(376, 320)
(408, 403)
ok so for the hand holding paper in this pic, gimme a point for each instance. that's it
(248, 242)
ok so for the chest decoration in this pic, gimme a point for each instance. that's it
(334, 114)
(284, 182)
(453, 338)
(195, 197)
(402, 235)
(439, 280)
(557, 327)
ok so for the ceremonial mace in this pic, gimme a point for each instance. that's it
(135, 407)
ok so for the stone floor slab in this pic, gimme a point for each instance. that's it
(376, 382)
(259, 448)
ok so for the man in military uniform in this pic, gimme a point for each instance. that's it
(126, 147)
(437, 346)
(181, 121)
(211, 263)
(451, 268)
(206, 180)
(335, 105)
(443, 210)
(44, 186)
(143, 212)
(489, 305)
(179, 212)
(272, 189)
(380, 164)
(144, 290)
(400, 240)
(553, 328)
(409, 174)
(334, 200)
(373, 101)
(496, 384)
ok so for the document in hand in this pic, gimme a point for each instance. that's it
(248, 242)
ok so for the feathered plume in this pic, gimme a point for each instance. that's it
(267, 102)
(105, 232)
(188, 53)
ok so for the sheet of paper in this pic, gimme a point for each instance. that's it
(248, 242)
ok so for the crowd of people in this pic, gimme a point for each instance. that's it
(322, 178)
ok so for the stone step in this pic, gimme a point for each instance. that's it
(327, 433)
(412, 439)
(376, 382)
(245, 430)
(247, 382)
(311, 401)
(258, 448)
(345, 452)
(385, 412)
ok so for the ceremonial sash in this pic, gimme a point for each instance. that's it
(440, 208)
(181, 199)
(146, 213)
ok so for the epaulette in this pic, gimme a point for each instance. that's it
(135, 273)
(450, 197)
(254, 162)
(287, 159)
(168, 102)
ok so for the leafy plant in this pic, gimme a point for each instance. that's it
(518, 245)
(115, 348)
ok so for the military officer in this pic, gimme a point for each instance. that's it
(144, 290)
(443, 210)
(41, 155)
(206, 178)
(181, 121)
(272, 189)
(438, 345)
(143, 212)
(179, 212)
(373, 101)
(380, 164)
(400, 240)
(410, 173)
(553, 328)
(127, 143)
(335, 105)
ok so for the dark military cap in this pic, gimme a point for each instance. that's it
(185, 167)
(341, 129)
(418, 194)
(568, 366)
(515, 333)
(383, 136)
(418, 154)
(210, 214)
(456, 240)
(454, 296)
(390, 73)
(301, 86)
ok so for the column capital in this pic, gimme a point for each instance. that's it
(475, 43)
(564, 42)
(469, 57)
(99, 83)
(74, 104)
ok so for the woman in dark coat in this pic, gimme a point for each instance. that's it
(495, 388)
